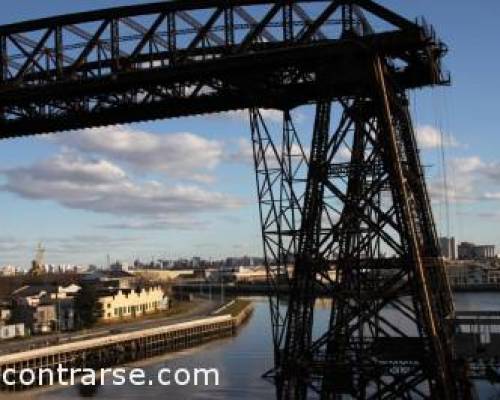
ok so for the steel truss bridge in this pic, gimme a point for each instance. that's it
(343, 207)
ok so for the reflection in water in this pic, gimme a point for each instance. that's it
(323, 304)
(241, 361)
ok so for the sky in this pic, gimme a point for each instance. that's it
(186, 187)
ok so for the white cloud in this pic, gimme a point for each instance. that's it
(243, 152)
(179, 155)
(486, 215)
(100, 186)
(472, 178)
(9, 244)
(462, 189)
(492, 196)
(466, 165)
(70, 166)
(159, 224)
(491, 171)
(473, 168)
(429, 137)
(343, 155)
(462, 193)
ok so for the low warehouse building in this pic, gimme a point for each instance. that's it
(132, 303)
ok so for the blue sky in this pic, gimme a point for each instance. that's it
(208, 205)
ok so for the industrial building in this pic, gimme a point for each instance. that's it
(471, 251)
(126, 303)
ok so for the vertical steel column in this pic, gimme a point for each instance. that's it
(115, 43)
(58, 40)
(442, 384)
(4, 65)
(171, 36)
(4, 68)
(288, 21)
(229, 25)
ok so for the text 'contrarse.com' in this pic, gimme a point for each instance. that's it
(110, 376)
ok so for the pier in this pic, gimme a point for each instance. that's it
(477, 341)
(121, 348)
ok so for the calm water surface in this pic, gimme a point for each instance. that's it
(241, 360)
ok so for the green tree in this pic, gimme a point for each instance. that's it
(87, 307)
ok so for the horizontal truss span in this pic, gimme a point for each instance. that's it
(180, 58)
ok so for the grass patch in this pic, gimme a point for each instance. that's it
(235, 308)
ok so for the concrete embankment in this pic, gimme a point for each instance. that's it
(239, 309)
(123, 348)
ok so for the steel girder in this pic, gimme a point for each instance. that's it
(179, 58)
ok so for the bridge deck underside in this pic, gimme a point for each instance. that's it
(182, 58)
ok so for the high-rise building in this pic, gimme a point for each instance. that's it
(448, 247)
(471, 251)
(196, 262)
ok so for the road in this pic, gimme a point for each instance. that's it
(201, 308)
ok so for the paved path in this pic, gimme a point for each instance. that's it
(201, 308)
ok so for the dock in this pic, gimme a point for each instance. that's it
(477, 341)
(120, 348)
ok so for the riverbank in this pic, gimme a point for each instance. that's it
(182, 312)
(118, 349)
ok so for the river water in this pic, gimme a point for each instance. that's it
(241, 360)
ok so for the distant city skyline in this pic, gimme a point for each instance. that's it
(186, 187)
(193, 261)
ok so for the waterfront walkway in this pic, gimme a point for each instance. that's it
(200, 308)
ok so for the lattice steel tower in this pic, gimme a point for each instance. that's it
(346, 214)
